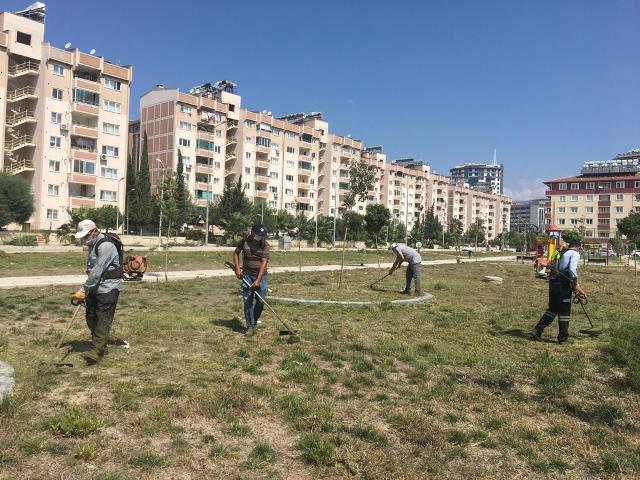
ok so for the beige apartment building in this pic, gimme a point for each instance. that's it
(596, 200)
(64, 116)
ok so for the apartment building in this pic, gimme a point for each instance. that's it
(134, 144)
(64, 116)
(528, 213)
(480, 176)
(602, 195)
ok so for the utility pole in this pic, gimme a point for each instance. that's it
(161, 202)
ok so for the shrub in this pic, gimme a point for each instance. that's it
(197, 235)
(23, 241)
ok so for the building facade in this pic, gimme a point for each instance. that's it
(480, 176)
(527, 213)
(64, 116)
(598, 199)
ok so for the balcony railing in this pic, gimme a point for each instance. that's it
(21, 93)
(20, 117)
(19, 166)
(27, 67)
(230, 156)
(19, 142)
(86, 148)
(232, 124)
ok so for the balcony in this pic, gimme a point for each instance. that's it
(20, 117)
(304, 200)
(262, 150)
(232, 124)
(262, 194)
(19, 142)
(262, 164)
(83, 179)
(86, 84)
(25, 68)
(21, 94)
(303, 186)
(203, 168)
(77, 201)
(84, 130)
(84, 152)
(231, 140)
(203, 152)
(304, 173)
(262, 179)
(85, 108)
(20, 166)
(323, 146)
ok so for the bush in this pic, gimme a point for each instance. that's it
(197, 235)
(23, 241)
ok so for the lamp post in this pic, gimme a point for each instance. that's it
(127, 206)
(210, 187)
(161, 201)
(118, 204)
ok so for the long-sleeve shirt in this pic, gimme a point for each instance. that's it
(569, 263)
(107, 258)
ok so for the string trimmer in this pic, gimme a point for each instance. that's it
(583, 301)
(289, 331)
(60, 363)
(380, 279)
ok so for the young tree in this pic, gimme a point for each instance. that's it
(455, 231)
(376, 218)
(233, 211)
(132, 172)
(16, 200)
(432, 227)
(141, 200)
(630, 227)
(416, 233)
(184, 205)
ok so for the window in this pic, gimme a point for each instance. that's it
(108, 195)
(184, 142)
(58, 69)
(562, 198)
(111, 106)
(636, 184)
(604, 198)
(588, 209)
(111, 128)
(247, 186)
(603, 221)
(217, 149)
(574, 209)
(81, 166)
(273, 174)
(273, 189)
(216, 180)
(560, 209)
(247, 155)
(56, 117)
(55, 141)
(619, 209)
(289, 178)
(619, 197)
(574, 198)
(264, 142)
(562, 186)
(204, 144)
(52, 213)
(589, 198)
(54, 165)
(23, 38)
(561, 221)
(185, 108)
(575, 186)
(273, 161)
(248, 139)
(218, 133)
(291, 135)
(56, 93)
(574, 221)
(291, 150)
(216, 165)
(589, 233)
(110, 151)
(605, 185)
(109, 172)
(185, 126)
(591, 185)
(112, 83)
(247, 170)
(603, 210)
(589, 221)
(291, 163)
(620, 184)
(53, 190)
(288, 191)
(84, 96)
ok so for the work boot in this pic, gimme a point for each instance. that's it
(251, 331)
(405, 292)
(91, 357)
(563, 331)
(536, 334)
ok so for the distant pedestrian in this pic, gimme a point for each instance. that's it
(414, 267)
(563, 281)
(255, 256)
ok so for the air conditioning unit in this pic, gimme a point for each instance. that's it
(103, 159)
(64, 128)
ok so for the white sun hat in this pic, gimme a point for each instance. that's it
(84, 227)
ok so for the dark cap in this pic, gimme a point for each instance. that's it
(258, 229)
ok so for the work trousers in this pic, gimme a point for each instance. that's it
(560, 291)
(100, 309)
(253, 311)
(413, 272)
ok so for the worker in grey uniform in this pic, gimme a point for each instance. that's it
(414, 267)
(562, 284)
(101, 290)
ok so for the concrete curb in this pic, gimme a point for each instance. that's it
(353, 303)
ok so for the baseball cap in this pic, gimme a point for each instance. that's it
(258, 229)
(393, 246)
(84, 227)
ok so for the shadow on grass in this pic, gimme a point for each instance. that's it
(232, 324)
(519, 333)
(77, 345)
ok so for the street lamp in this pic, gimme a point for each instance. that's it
(161, 201)
(315, 197)
(118, 204)
(127, 206)
(210, 187)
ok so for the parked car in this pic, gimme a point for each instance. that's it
(467, 248)
(604, 252)
(635, 253)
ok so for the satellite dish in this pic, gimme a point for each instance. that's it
(92, 51)
(67, 45)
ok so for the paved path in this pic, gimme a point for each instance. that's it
(42, 281)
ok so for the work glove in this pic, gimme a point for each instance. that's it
(78, 297)
(581, 293)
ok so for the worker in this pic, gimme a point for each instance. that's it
(562, 283)
(414, 266)
(101, 290)
(255, 256)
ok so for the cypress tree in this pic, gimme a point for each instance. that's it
(182, 199)
(141, 205)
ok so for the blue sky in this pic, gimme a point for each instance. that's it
(549, 84)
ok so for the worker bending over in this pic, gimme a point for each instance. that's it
(414, 266)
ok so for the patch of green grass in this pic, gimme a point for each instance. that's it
(86, 451)
(463, 437)
(316, 449)
(554, 463)
(305, 413)
(368, 433)
(555, 377)
(32, 446)
(74, 423)
(260, 456)
(238, 429)
(297, 367)
(124, 397)
(361, 365)
(166, 390)
(9, 405)
(147, 460)
(440, 285)
(622, 351)
(417, 427)
(5, 458)
(493, 422)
